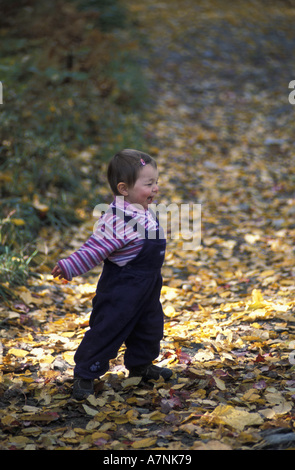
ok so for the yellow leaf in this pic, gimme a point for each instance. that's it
(18, 222)
(219, 383)
(132, 415)
(96, 401)
(31, 409)
(201, 393)
(131, 382)
(257, 295)
(6, 177)
(251, 395)
(257, 299)
(178, 386)
(170, 312)
(48, 359)
(27, 297)
(169, 293)
(189, 428)
(211, 445)
(118, 418)
(268, 413)
(251, 239)
(121, 419)
(237, 418)
(90, 411)
(69, 357)
(18, 352)
(283, 408)
(156, 416)
(41, 208)
(100, 435)
(143, 443)
(274, 397)
(267, 273)
(70, 434)
(257, 313)
(93, 424)
(18, 441)
(8, 420)
(204, 355)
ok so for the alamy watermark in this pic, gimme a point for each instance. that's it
(292, 94)
(177, 221)
(292, 358)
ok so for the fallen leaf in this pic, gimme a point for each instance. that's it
(131, 382)
(170, 311)
(90, 411)
(18, 352)
(283, 408)
(144, 443)
(211, 445)
(100, 435)
(203, 355)
(219, 383)
(237, 418)
(96, 401)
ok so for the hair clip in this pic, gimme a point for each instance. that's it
(142, 162)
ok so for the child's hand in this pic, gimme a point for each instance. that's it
(58, 272)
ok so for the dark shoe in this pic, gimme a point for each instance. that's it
(150, 372)
(82, 388)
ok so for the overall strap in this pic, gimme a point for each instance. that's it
(137, 227)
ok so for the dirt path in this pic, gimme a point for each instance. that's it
(224, 125)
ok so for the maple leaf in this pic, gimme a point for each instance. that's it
(259, 358)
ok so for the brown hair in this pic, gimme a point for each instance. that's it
(125, 166)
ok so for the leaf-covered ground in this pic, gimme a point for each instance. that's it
(221, 126)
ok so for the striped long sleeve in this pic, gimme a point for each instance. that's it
(113, 238)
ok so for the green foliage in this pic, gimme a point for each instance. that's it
(111, 13)
(67, 86)
(14, 268)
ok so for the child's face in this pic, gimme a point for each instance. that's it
(145, 188)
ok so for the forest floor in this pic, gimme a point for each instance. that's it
(219, 122)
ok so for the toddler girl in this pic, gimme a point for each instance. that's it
(126, 307)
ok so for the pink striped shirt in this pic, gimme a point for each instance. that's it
(114, 238)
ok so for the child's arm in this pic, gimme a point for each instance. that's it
(58, 272)
(111, 235)
(98, 247)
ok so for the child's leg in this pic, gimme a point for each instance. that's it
(126, 308)
(143, 347)
(113, 319)
(143, 343)
(95, 351)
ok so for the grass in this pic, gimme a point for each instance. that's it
(15, 269)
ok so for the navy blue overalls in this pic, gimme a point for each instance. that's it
(126, 309)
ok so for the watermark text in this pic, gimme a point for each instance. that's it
(292, 94)
(176, 221)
